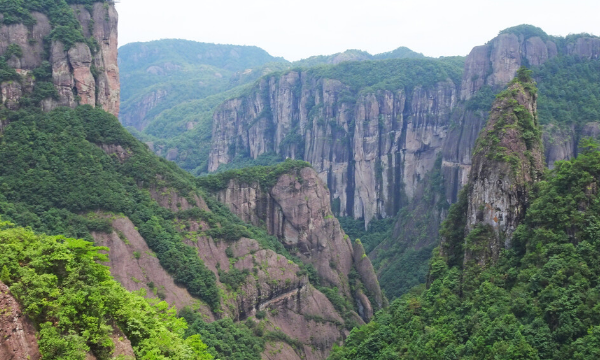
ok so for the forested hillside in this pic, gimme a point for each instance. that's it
(536, 300)
(79, 309)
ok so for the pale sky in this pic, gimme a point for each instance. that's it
(299, 29)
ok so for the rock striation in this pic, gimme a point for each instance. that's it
(297, 210)
(507, 161)
(80, 75)
(374, 148)
(17, 334)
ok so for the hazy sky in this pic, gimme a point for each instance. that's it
(299, 29)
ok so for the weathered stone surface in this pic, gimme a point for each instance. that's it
(362, 164)
(297, 211)
(117, 150)
(170, 199)
(11, 93)
(137, 116)
(17, 334)
(126, 245)
(71, 68)
(502, 174)
(80, 58)
(30, 42)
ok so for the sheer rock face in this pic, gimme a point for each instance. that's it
(497, 62)
(17, 334)
(374, 149)
(297, 210)
(137, 118)
(505, 165)
(365, 150)
(562, 143)
(80, 76)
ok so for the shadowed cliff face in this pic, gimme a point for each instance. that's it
(80, 75)
(369, 150)
(296, 210)
(374, 148)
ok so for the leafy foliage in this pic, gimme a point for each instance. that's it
(52, 172)
(76, 303)
(569, 90)
(540, 301)
(65, 27)
(266, 176)
(224, 338)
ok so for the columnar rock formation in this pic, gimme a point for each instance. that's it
(373, 148)
(297, 211)
(80, 75)
(508, 160)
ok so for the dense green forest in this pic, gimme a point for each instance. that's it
(75, 303)
(540, 301)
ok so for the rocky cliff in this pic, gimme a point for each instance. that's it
(369, 149)
(374, 147)
(270, 284)
(507, 160)
(17, 333)
(82, 72)
(297, 210)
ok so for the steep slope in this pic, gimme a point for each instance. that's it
(294, 206)
(357, 123)
(62, 60)
(507, 161)
(18, 333)
(77, 172)
(415, 232)
(159, 75)
(536, 300)
(63, 304)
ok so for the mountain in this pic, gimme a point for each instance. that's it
(357, 55)
(77, 190)
(531, 295)
(161, 74)
(174, 116)
(396, 136)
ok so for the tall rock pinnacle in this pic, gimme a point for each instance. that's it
(507, 160)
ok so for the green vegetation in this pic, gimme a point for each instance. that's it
(526, 31)
(540, 301)
(265, 176)
(356, 55)
(226, 339)
(65, 27)
(377, 232)
(54, 173)
(188, 80)
(394, 74)
(75, 303)
(569, 89)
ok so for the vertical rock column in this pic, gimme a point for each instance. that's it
(507, 160)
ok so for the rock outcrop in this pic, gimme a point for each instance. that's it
(18, 339)
(297, 210)
(369, 151)
(137, 117)
(507, 160)
(80, 75)
(373, 148)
